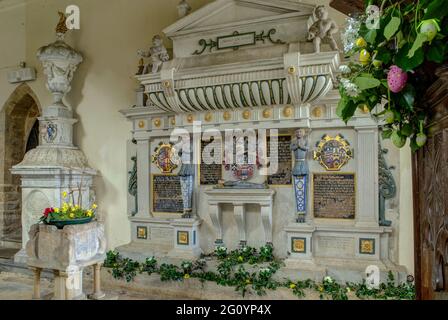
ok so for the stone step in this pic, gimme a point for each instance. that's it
(13, 243)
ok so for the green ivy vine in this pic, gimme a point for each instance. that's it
(251, 270)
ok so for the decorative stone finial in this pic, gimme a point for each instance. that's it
(61, 28)
(183, 9)
(60, 62)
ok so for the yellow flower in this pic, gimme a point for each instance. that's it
(72, 215)
(56, 210)
(360, 42)
(77, 207)
(248, 281)
(364, 57)
(94, 206)
(64, 194)
(321, 289)
(240, 259)
(187, 276)
(292, 286)
(89, 213)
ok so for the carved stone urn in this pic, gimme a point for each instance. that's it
(60, 62)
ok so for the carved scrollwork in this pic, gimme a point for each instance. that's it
(261, 37)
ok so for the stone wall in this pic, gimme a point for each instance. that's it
(16, 121)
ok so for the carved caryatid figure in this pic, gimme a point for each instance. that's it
(132, 185)
(388, 187)
(157, 53)
(186, 174)
(321, 28)
(300, 147)
(183, 9)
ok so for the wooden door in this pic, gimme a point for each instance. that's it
(430, 174)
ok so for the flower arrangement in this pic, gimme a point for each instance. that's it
(68, 213)
(390, 64)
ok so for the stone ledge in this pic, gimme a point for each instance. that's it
(191, 289)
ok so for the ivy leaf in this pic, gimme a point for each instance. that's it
(392, 27)
(418, 43)
(365, 83)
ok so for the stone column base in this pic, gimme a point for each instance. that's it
(186, 238)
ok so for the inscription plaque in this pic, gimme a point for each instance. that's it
(284, 156)
(334, 196)
(328, 246)
(163, 234)
(167, 194)
(210, 173)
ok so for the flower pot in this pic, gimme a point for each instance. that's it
(60, 224)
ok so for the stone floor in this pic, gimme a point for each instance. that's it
(17, 286)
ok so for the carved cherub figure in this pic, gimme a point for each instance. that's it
(322, 29)
(157, 53)
(183, 8)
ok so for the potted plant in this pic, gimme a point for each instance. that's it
(68, 214)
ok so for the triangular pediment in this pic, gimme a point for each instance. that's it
(223, 13)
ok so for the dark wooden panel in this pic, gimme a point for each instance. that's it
(348, 7)
(430, 174)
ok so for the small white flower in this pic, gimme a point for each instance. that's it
(328, 279)
(344, 69)
(351, 89)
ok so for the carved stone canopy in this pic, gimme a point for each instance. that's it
(241, 54)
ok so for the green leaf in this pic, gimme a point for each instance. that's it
(386, 134)
(436, 53)
(437, 9)
(402, 60)
(370, 36)
(383, 55)
(346, 109)
(418, 43)
(406, 130)
(365, 83)
(392, 27)
(408, 95)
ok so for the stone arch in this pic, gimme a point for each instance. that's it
(18, 133)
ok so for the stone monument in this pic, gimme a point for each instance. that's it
(254, 68)
(56, 165)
